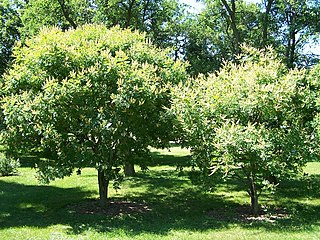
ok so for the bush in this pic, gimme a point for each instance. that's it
(8, 166)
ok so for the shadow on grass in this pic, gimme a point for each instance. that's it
(40, 206)
(158, 159)
(29, 161)
(174, 204)
(300, 188)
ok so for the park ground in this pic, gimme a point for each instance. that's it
(160, 203)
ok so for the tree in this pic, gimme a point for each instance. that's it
(65, 14)
(247, 120)
(313, 95)
(299, 23)
(156, 18)
(216, 34)
(9, 24)
(88, 97)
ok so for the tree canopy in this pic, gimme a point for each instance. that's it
(248, 120)
(88, 97)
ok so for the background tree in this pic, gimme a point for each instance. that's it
(248, 120)
(154, 17)
(299, 23)
(88, 97)
(10, 23)
(216, 34)
(64, 14)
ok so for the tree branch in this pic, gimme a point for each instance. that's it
(66, 13)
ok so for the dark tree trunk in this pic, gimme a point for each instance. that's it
(292, 43)
(231, 10)
(66, 13)
(254, 197)
(129, 170)
(292, 50)
(129, 14)
(103, 188)
(265, 23)
(145, 11)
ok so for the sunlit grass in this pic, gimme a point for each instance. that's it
(179, 210)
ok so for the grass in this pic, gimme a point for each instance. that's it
(178, 209)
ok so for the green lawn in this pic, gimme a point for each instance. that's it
(176, 209)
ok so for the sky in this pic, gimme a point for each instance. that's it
(196, 7)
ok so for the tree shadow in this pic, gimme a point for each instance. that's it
(174, 204)
(158, 159)
(40, 206)
(30, 161)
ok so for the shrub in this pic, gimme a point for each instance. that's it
(8, 166)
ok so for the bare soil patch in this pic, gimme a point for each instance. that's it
(242, 214)
(114, 208)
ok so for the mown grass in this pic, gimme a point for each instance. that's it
(178, 209)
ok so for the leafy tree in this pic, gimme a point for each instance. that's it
(299, 23)
(247, 120)
(314, 101)
(64, 14)
(90, 96)
(216, 34)
(9, 24)
(157, 18)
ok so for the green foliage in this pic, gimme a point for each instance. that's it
(64, 14)
(157, 18)
(314, 96)
(299, 21)
(9, 30)
(216, 34)
(91, 96)
(248, 120)
(8, 166)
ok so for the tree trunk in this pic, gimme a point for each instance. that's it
(145, 11)
(129, 170)
(254, 198)
(265, 23)
(103, 188)
(292, 50)
(129, 14)
(231, 10)
(66, 13)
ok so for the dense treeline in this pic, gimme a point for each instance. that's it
(206, 39)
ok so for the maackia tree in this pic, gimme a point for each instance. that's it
(88, 97)
(247, 121)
